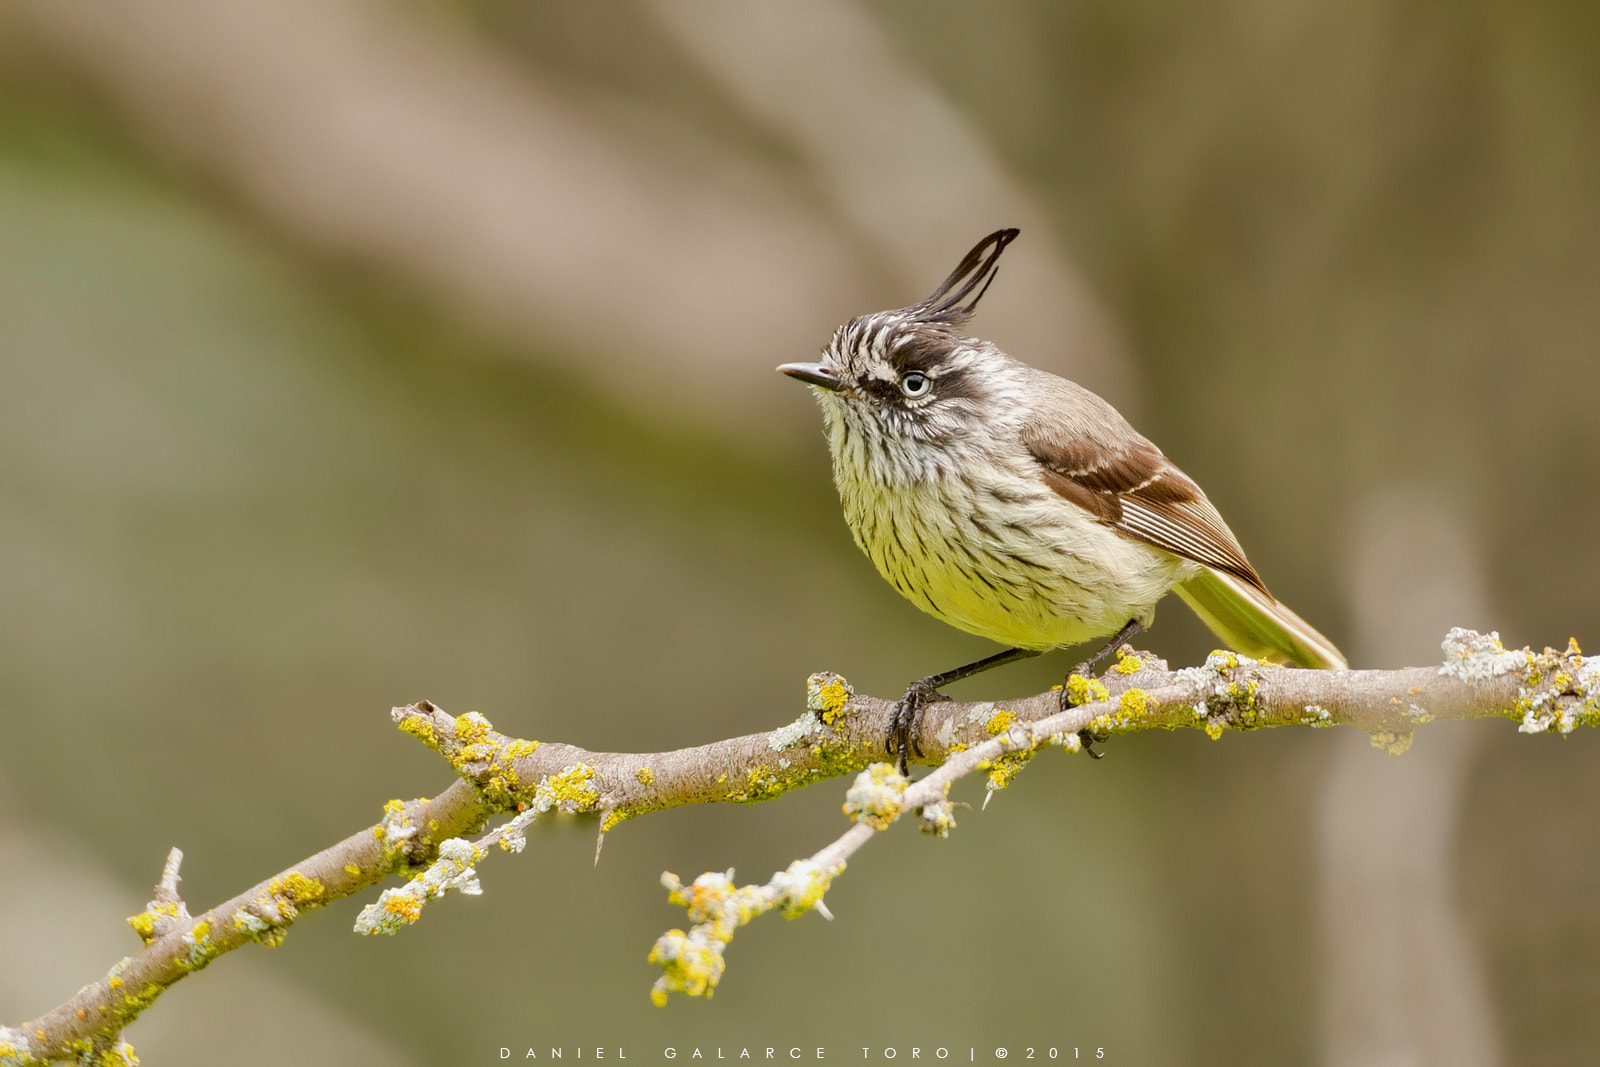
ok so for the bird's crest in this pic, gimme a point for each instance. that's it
(975, 272)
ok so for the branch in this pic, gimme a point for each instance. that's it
(1479, 679)
(89, 1026)
(840, 732)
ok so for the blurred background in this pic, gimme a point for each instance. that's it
(355, 352)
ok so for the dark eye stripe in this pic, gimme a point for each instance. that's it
(924, 348)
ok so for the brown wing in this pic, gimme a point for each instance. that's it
(1130, 486)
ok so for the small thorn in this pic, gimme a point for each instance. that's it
(599, 843)
(822, 910)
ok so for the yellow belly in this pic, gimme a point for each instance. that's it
(1033, 573)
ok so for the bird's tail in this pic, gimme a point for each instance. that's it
(1248, 620)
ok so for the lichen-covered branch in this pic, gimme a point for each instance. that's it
(88, 1028)
(839, 733)
(843, 732)
(1478, 679)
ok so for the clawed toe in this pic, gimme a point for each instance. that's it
(905, 727)
(1088, 738)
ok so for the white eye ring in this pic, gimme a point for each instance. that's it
(915, 384)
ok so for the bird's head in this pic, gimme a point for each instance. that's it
(912, 373)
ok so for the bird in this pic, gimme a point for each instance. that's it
(1017, 505)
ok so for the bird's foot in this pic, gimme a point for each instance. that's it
(906, 726)
(1086, 737)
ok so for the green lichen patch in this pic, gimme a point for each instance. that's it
(764, 783)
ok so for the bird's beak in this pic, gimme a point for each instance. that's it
(817, 374)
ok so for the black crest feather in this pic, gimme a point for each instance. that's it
(975, 272)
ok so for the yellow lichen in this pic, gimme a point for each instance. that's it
(875, 796)
(1214, 730)
(471, 728)
(402, 906)
(1081, 690)
(144, 924)
(421, 729)
(645, 775)
(1006, 767)
(1135, 705)
(519, 748)
(1128, 663)
(999, 722)
(831, 698)
(293, 891)
(571, 789)
(760, 784)
(134, 1003)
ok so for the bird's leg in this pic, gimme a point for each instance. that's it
(1086, 670)
(907, 722)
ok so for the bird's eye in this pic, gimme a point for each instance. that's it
(915, 384)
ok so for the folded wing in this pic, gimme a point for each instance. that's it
(1127, 483)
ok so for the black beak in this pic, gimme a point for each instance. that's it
(817, 374)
